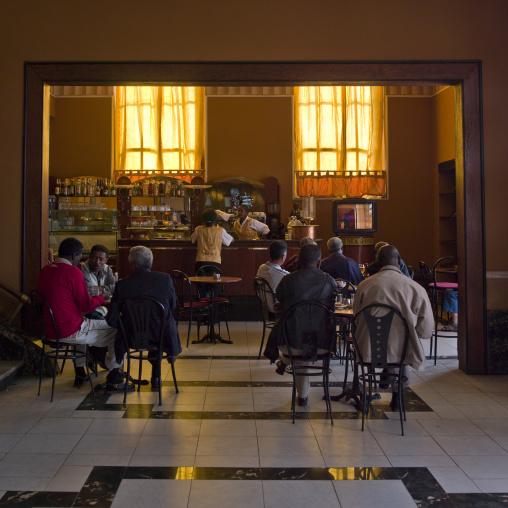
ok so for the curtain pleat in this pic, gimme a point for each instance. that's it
(340, 141)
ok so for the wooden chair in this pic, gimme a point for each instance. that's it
(58, 349)
(188, 304)
(266, 299)
(309, 335)
(142, 320)
(374, 326)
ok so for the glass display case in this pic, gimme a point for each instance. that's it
(81, 219)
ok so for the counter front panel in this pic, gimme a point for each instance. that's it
(240, 259)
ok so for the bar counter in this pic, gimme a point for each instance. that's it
(241, 259)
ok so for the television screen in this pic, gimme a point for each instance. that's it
(354, 217)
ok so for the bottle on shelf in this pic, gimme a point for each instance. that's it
(113, 189)
(167, 188)
(77, 191)
(97, 188)
(155, 188)
(161, 187)
(65, 188)
(90, 191)
(105, 189)
(57, 187)
(135, 189)
(150, 188)
(72, 188)
(145, 187)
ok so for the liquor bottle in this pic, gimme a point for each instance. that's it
(105, 189)
(72, 188)
(145, 187)
(57, 187)
(161, 187)
(135, 189)
(98, 185)
(167, 190)
(150, 188)
(112, 189)
(90, 191)
(155, 187)
(78, 187)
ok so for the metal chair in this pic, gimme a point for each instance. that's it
(374, 326)
(266, 298)
(309, 336)
(188, 304)
(223, 303)
(346, 291)
(411, 271)
(142, 321)
(59, 349)
(438, 288)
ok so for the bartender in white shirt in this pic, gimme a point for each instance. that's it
(248, 228)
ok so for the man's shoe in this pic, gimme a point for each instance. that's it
(281, 368)
(303, 401)
(155, 383)
(120, 387)
(79, 380)
(395, 403)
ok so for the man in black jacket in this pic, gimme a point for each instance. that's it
(308, 283)
(143, 282)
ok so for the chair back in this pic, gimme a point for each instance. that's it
(142, 321)
(44, 317)
(380, 336)
(183, 288)
(444, 262)
(426, 275)
(208, 271)
(266, 298)
(345, 286)
(309, 326)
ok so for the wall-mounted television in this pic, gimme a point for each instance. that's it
(354, 217)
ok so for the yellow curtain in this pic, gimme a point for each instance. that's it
(340, 141)
(159, 128)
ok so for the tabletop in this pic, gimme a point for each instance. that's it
(208, 279)
(343, 311)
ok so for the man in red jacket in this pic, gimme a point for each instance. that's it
(63, 286)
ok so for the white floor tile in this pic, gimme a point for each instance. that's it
(226, 494)
(134, 493)
(69, 479)
(360, 494)
(299, 493)
(453, 480)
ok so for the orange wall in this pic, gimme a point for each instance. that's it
(81, 137)
(225, 31)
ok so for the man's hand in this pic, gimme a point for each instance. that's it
(106, 295)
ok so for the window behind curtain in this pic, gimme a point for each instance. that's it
(159, 128)
(339, 141)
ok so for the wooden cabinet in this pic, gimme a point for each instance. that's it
(447, 208)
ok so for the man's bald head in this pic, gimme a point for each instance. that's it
(388, 255)
(378, 246)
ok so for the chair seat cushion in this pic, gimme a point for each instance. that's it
(217, 299)
(188, 305)
(445, 285)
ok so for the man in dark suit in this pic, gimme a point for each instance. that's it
(307, 283)
(143, 282)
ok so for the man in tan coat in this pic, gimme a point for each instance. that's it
(390, 286)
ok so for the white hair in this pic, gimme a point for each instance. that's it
(141, 258)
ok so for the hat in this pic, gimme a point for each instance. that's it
(334, 244)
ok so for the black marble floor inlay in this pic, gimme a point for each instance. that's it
(101, 486)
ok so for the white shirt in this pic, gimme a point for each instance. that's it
(273, 274)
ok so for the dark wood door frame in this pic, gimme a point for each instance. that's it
(465, 76)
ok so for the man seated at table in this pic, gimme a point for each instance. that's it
(143, 282)
(292, 263)
(63, 286)
(95, 270)
(375, 266)
(390, 286)
(308, 283)
(271, 271)
(338, 265)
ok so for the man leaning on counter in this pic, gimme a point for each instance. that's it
(248, 228)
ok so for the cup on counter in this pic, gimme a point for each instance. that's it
(216, 276)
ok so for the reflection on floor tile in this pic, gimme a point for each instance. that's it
(232, 422)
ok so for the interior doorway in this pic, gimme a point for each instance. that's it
(465, 76)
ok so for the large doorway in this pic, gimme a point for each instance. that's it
(465, 76)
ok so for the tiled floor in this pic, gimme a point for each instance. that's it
(227, 440)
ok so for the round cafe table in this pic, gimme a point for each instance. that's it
(210, 281)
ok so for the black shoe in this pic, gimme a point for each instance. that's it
(384, 380)
(119, 388)
(303, 401)
(155, 383)
(395, 403)
(79, 380)
(281, 368)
